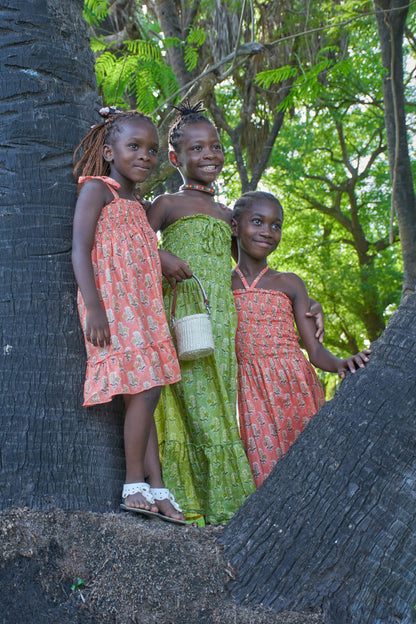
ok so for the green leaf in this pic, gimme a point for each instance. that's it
(275, 76)
(95, 11)
(78, 583)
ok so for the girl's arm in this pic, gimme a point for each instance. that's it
(156, 213)
(318, 355)
(173, 268)
(90, 202)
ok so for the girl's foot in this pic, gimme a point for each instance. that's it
(169, 509)
(138, 497)
(138, 501)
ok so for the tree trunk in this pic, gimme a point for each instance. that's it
(391, 20)
(53, 451)
(333, 525)
(168, 18)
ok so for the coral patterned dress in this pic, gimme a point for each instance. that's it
(278, 390)
(128, 278)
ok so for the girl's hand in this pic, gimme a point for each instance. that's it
(97, 329)
(353, 362)
(173, 268)
(316, 312)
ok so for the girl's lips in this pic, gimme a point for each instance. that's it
(263, 244)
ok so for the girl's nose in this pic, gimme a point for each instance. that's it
(209, 153)
(267, 231)
(143, 154)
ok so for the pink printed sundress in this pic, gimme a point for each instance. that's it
(128, 278)
(278, 390)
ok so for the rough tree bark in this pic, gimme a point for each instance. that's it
(53, 453)
(333, 525)
(168, 18)
(391, 21)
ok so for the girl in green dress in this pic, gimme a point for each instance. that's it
(201, 450)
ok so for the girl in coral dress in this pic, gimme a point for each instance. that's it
(116, 263)
(278, 391)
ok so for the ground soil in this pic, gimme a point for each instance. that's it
(86, 568)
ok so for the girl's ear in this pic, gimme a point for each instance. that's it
(108, 153)
(234, 227)
(173, 157)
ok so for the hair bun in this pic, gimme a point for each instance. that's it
(186, 108)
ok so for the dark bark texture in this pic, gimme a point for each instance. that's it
(53, 451)
(333, 526)
(391, 21)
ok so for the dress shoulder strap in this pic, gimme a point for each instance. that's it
(256, 279)
(109, 182)
(241, 276)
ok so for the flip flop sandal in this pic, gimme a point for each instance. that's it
(159, 494)
(144, 489)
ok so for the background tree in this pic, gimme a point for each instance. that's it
(391, 22)
(331, 159)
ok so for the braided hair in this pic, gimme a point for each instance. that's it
(188, 115)
(91, 161)
(248, 199)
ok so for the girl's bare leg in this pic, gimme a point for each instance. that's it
(137, 427)
(154, 475)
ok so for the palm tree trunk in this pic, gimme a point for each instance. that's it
(53, 451)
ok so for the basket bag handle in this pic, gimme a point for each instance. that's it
(175, 292)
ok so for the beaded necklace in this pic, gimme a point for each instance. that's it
(197, 187)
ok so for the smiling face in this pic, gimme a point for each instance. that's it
(259, 228)
(132, 153)
(199, 158)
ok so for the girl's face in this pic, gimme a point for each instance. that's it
(200, 157)
(133, 151)
(259, 229)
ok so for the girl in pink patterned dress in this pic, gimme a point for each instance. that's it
(116, 263)
(278, 391)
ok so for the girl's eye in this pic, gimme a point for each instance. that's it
(133, 145)
(277, 226)
(196, 148)
(218, 147)
(154, 150)
(256, 221)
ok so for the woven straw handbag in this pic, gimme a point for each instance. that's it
(193, 333)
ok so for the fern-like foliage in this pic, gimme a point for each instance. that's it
(142, 77)
(98, 45)
(307, 86)
(138, 75)
(144, 49)
(194, 40)
(95, 11)
(196, 36)
(276, 76)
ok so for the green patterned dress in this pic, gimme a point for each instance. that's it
(203, 458)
